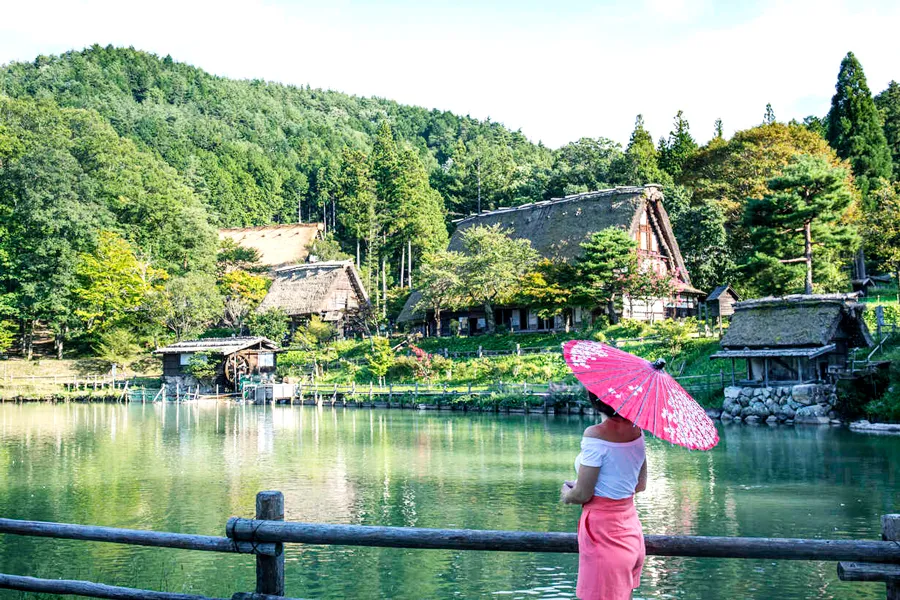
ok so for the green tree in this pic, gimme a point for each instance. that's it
(607, 261)
(583, 166)
(806, 205)
(888, 103)
(881, 228)
(190, 303)
(700, 231)
(116, 347)
(232, 256)
(202, 365)
(640, 164)
(494, 264)
(678, 148)
(769, 117)
(113, 284)
(380, 358)
(855, 128)
(548, 289)
(440, 283)
(241, 293)
(271, 324)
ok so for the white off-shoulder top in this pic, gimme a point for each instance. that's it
(620, 465)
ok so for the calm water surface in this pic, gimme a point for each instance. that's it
(188, 468)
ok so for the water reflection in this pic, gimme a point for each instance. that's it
(189, 467)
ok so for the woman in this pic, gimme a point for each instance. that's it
(611, 468)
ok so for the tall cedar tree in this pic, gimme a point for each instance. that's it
(806, 205)
(676, 150)
(888, 102)
(854, 127)
(607, 261)
(640, 165)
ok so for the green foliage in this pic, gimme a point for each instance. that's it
(381, 358)
(806, 205)
(271, 324)
(606, 261)
(494, 264)
(675, 151)
(203, 366)
(232, 257)
(327, 248)
(314, 333)
(675, 333)
(548, 288)
(855, 129)
(583, 166)
(116, 346)
(7, 335)
(881, 227)
(242, 292)
(769, 117)
(888, 103)
(641, 162)
(440, 283)
(190, 304)
(112, 284)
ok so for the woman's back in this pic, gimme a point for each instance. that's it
(619, 452)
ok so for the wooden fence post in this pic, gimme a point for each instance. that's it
(270, 569)
(890, 532)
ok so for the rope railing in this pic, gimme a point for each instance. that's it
(265, 535)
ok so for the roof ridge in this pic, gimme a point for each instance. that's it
(629, 189)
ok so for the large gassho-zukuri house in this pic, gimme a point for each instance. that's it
(556, 229)
(278, 245)
(331, 290)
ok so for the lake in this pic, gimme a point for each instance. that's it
(187, 468)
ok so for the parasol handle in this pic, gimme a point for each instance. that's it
(659, 364)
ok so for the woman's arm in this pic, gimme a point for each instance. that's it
(583, 490)
(642, 478)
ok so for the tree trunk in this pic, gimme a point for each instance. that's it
(409, 258)
(568, 320)
(489, 321)
(437, 321)
(357, 253)
(402, 265)
(28, 339)
(611, 312)
(807, 233)
(861, 264)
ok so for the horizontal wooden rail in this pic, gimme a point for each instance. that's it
(135, 537)
(88, 588)
(532, 541)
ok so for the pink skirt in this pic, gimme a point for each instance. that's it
(610, 549)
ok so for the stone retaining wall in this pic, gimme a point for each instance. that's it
(803, 403)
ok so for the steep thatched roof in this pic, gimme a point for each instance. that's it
(306, 289)
(277, 245)
(224, 346)
(556, 228)
(796, 321)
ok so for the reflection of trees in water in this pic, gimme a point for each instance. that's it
(190, 467)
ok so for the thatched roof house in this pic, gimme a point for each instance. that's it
(795, 338)
(234, 357)
(331, 290)
(556, 228)
(278, 245)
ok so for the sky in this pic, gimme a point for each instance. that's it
(558, 70)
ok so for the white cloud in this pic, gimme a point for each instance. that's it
(556, 74)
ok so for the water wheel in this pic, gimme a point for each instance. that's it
(235, 366)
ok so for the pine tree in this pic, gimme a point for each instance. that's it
(769, 117)
(854, 126)
(806, 205)
(888, 103)
(680, 146)
(640, 165)
(718, 130)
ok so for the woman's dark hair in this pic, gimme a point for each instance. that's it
(603, 407)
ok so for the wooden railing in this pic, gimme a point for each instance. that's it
(265, 536)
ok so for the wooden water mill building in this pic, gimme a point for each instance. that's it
(795, 339)
(233, 357)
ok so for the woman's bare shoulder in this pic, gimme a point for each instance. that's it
(596, 431)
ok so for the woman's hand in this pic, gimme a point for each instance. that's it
(564, 491)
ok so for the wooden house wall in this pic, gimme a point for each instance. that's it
(723, 306)
(342, 295)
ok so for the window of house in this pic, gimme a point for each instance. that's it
(184, 359)
(267, 359)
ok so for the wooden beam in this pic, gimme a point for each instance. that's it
(270, 569)
(534, 541)
(857, 571)
(890, 532)
(88, 588)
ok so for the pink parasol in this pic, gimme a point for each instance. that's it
(641, 392)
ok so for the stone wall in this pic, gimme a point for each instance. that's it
(803, 403)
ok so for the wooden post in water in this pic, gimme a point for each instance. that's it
(270, 569)
(890, 532)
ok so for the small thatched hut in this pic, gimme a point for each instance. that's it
(556, 228)
(233, 357)
(332, 290)
(278, 245)
(795, 338)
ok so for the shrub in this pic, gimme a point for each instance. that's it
(315, 333)
(675, 333)
(202, 366)
(116, 346)
(271, 324)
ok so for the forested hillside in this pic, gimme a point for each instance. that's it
(116, 166)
